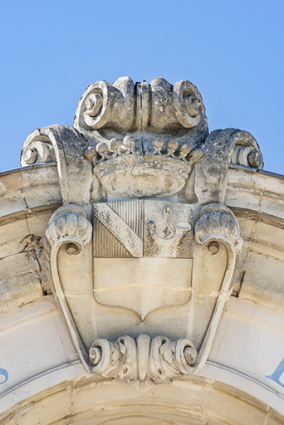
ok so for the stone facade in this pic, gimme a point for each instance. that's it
(141, 268)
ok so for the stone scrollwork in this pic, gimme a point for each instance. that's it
(117, 359)
(169, 359)
(143, 359)
(216, 224)
(188, 103)
(180, 104)
(104, 103)
(69, 227)
(64, 146)
(125, 106)
(38, 150)
(221, 149)
(246, 150)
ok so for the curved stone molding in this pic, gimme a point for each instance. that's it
(68, 227)
(142, 359)
(188, 104)
(218, 225)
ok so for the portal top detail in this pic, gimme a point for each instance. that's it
(140, 141)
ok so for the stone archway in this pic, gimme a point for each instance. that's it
(196, 402)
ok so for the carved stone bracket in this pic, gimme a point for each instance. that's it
(142, 359)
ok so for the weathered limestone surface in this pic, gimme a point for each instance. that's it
(141, 268)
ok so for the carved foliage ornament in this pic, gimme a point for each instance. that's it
(143, 251)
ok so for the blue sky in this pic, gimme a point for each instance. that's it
(233, 50)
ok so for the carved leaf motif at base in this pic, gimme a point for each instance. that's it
(143, 359)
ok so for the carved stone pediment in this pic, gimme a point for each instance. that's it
(143, 252)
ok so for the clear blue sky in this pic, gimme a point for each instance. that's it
(233, 50)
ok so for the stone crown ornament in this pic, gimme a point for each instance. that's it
(152, 164)
(143, 252)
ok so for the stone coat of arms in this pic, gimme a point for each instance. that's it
(142, 254)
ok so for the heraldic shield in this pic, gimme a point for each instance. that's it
(143, 252)
(149, 243)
